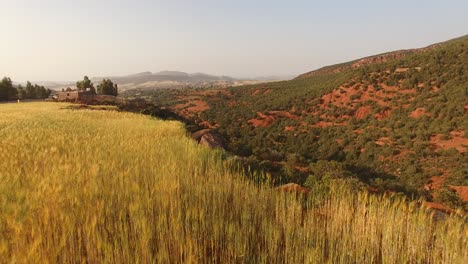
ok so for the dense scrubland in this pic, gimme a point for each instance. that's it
(93, 186)
(396, 121)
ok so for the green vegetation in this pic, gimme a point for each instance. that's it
(385, 147)
(107, 87)
(103, 186)
(85, 84)
(9, 92)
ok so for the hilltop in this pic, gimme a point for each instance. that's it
(395, 121)
(94, 185)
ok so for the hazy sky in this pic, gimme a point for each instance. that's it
(63, 40)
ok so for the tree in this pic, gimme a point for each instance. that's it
(42, 92)
(21, 92)
(30, 91)
(107, 87)
(7, 91)
(450, 197)
(85, 84)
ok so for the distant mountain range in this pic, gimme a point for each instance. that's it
(167, 79)
(165, 76)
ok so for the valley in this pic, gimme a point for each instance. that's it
(396, 121)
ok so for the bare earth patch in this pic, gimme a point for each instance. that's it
(200, 106)
(362, 112)
(421, 111)
(383, 115)
(256, 92)
(265, 120)
(458, 141)
(383, 141)
(435, 183)
(462, 192)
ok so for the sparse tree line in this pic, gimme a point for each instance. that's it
(106, 87)
(8, 91)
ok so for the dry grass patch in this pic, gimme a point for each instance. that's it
(108, 187)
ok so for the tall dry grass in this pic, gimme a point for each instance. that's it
(83, 186)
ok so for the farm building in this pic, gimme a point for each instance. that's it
(89, 97)
(74, 95)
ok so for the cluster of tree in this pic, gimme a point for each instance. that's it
(85, 85)
(32, 91)
(106, 87)
(8, 91)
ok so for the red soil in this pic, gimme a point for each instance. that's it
(383, 141)
(211, 92)
(324, 124)
(200, 106)
(408, 91)
(458, 141)
(342, 97)
(435, 183)
(419, 112)
(462, 192)
(438, 206)
(256, 92)
(402, 70)
(358, 131)
(362, 112)
(265, 120)
(384, 114)
(259, 91)
(283, 114)
(208, 124)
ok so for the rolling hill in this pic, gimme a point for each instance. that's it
(94, 185)
(165, 76)
(395, 121)
(164, 79)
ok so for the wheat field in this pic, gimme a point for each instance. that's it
(94, 186)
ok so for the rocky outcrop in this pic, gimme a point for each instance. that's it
(212, 140)
(199, 134)
(209, 138)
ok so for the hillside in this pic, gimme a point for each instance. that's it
(396, 121)
(99, 186)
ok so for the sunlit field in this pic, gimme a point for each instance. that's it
(93, 186)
